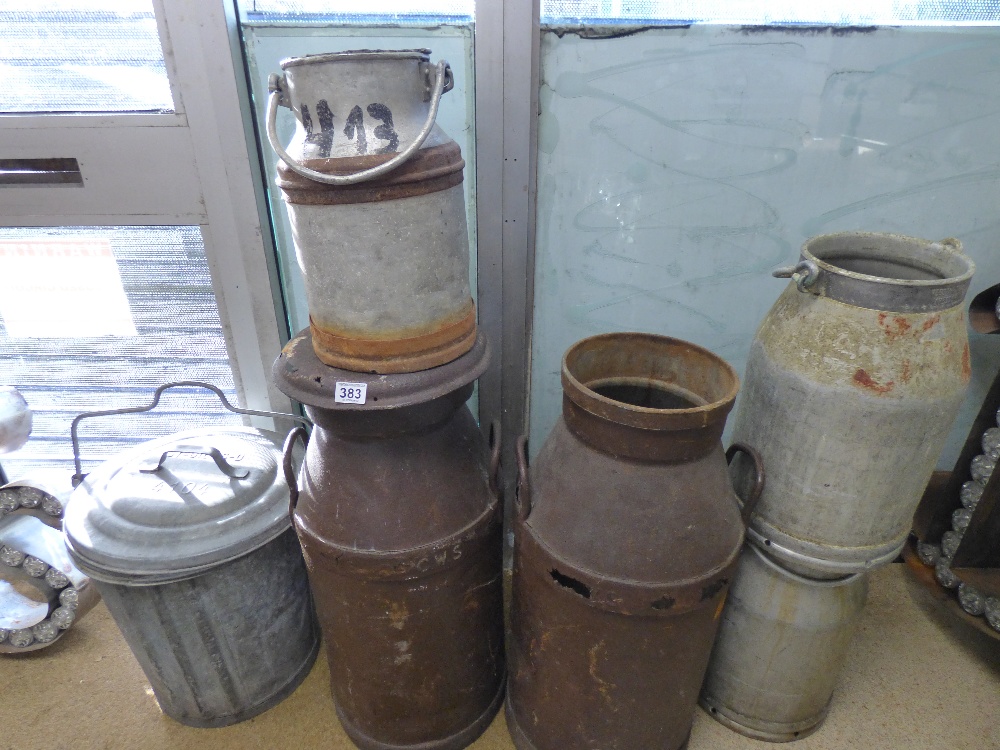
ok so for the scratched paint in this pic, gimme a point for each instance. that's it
(677, 167)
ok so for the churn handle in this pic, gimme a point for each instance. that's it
(804, 274)
(522, 499)
(276, 98)
(747, 506)
(495, 457)
(286, 465)
(79, 475)
(215, 454)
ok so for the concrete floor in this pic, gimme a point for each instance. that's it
(916, 679)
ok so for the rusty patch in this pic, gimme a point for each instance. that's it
(948, 347)
(429, 170)
(907, 373)
(932, 321)
(896, 326)
(966, 363)
(396, 355)
(862, 378)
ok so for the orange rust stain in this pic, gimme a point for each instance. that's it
(906, 374)
(862, 378)
(931, 322)
(948, 347)
(966, 363)
(894, 328)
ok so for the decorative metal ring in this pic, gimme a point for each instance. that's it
(32, 552)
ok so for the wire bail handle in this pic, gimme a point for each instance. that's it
(79, 476)
(443, 81)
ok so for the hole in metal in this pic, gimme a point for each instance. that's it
(570, 583)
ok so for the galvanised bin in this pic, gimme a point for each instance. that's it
(189, 541)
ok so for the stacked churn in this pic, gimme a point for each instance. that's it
(853, 381)
(396, 507)
(627, 533)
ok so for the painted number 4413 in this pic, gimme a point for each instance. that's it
(351, 393)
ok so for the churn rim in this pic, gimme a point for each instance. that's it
(645, 417)
(421, 54)
(951, 246)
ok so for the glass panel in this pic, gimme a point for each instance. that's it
(99, 317)
(677, 168)
(838, 12)
(371, 11)
(81, 56)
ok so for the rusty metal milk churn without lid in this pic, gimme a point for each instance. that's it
(628, 532)
(374, 194)
(399, 519)
(853, 381)
(189, 541)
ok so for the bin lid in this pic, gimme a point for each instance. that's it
(174, 507)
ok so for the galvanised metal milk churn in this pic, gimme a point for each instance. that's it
(374, 194)
(628, 532)
(853, 381)
(399, 519)
(780, 648)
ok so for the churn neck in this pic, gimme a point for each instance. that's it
(889, 272)
(647, 397)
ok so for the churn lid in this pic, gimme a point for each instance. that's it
(174, 507)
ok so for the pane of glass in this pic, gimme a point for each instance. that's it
(81, 56)
(372, 11)
(100, 317)
(839, 12)
(712, 154)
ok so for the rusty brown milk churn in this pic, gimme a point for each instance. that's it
(398, 514)
(628, 532)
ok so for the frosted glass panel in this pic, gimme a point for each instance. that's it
(841, 12)
(396, 11)
(165, 327)
(81, 56)
(676, 168)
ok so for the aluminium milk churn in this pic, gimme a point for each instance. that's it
(373, 189)
(852, 383)
(628, 531)
(780, 648)
(400, 524)
(189, 541)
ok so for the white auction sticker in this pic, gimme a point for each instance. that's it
(351, 393)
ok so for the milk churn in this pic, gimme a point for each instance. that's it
(628, 532)
(374, 194)
(780, 648)
(852, 383)
(189, 541)
(400, 524)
